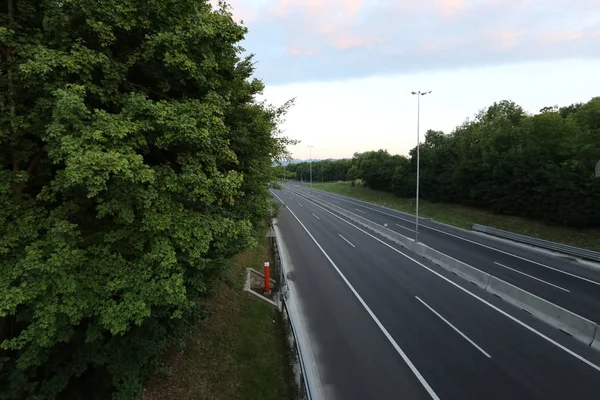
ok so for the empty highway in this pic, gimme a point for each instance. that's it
(385, 324)
(557, 279)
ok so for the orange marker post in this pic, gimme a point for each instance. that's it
(267, 278)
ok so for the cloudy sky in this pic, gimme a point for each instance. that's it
(351, 64)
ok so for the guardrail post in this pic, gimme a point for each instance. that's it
(267, 278)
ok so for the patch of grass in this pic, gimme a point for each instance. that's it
(465, 217)
(240, 352)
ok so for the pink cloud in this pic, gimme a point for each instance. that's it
(282, 8)
(505, 39)
(326, 30)
(560, 36)
(343, 43)
(450, 6)
(352, 7)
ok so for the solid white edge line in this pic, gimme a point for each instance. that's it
(524, 325)
(532, 277)
(294, 307)
(401, 226)
(346, 240)
(372, 315)
(314, 215)
(474, 242)
(455, 328)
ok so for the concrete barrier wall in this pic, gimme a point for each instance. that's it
(577, 326)
(596, 343)
(465, 271)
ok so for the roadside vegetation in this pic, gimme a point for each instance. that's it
(465, 217)
(529, 174)
(539, 167)
(239, 352)
(135, 162)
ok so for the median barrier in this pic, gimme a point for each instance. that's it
(580, 328)
(575, 325)
(461, 269)
(596, 343)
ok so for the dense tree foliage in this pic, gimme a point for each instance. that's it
(539, 166)
(135, 161)
(322, 170)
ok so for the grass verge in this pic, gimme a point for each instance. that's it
(240, 352)
(465, 217)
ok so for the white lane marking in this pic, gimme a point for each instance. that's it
(401, 226)
(532, 277)
(372, 315)
(507, 315)
(346, 240)
(516, 256)
(481, 244)
(300, 205)
(336, 202)
(314, 215)
(364, 212)
(455, 328)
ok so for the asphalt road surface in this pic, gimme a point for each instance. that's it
(384, 324)
(558, 279)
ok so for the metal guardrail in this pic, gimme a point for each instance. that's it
(545, 244)
(293, 324)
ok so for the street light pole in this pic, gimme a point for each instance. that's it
(419, 94)
(310, 165)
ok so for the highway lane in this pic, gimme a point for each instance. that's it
(355, 360)
(444, 330)
(556, 279)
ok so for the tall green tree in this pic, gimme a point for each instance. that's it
(135, 160)
(538, 166)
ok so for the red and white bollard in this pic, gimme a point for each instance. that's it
(267, 278)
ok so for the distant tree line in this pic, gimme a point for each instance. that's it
(322, 171)
(538, 166)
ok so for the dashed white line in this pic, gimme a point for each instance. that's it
(455, 328)
(347, 240)
(514, 255)
(385, 332)
(408, 229)
(300, 205)
(532, 277)
(353, 202)
(364, 212)
(473, 295)
(314, 215)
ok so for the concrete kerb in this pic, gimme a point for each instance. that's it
(580, 328)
